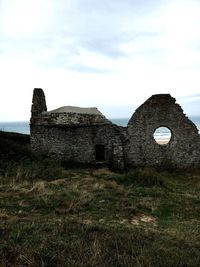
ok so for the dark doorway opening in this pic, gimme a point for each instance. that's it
(100, 152)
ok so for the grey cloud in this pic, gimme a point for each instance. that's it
(190, 104)
(65, 57)
(101, 26)
(119, 6)
(106, 46)
(97, 26)
(192, 107)
(189, 97)
(88, 69)
(110, 46)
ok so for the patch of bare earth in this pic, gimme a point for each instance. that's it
(137, 220)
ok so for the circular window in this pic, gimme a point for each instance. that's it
(162, 135)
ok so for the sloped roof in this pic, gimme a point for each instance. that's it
(70, 116)
(78, 110)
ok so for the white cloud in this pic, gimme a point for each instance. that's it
(96, 53)
(24, 18)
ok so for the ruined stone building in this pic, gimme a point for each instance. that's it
(85, 135)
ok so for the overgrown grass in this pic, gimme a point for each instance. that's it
(140, 176)
(17, 162)
(31, 169)
(51, 215)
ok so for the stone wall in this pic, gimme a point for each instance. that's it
(77, 137)
(38, 103)
(182, 151)
(79, 143)
(69, 119)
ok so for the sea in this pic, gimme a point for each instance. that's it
(23, 127)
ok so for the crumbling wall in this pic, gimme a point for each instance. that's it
(182, 151)
(76, 137)
(79, 143)
(69, 119)
(38, 103)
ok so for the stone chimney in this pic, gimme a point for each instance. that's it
(38, 102)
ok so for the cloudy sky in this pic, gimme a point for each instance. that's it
(113, 54)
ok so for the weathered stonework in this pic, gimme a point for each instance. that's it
(86, 136)
(39, 103)
(182, 151)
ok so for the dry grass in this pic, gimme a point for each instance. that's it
(99, 218)
(53, 216)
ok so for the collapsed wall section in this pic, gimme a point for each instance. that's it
(183, 149)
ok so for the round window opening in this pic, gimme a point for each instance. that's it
(162, 135)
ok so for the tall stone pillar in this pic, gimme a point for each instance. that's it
(38, 102)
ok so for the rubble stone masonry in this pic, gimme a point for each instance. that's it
(86, 136)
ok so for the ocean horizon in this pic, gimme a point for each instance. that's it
(23, 127)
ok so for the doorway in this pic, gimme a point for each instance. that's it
(100, 152)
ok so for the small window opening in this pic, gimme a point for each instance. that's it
(100, 152)
(162, 135)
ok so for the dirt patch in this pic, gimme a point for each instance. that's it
(104, 171)
(137, 220)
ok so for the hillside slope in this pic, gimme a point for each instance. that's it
(56, 216)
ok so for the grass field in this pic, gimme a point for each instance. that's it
(56, 216)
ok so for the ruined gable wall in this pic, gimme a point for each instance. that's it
(182, 151)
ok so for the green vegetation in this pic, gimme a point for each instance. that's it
(56, 216)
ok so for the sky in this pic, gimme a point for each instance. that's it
(111, 54)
